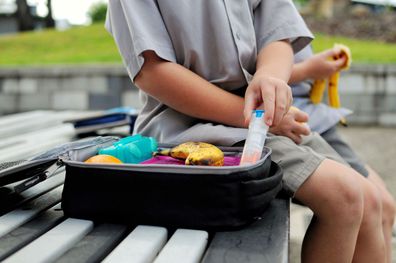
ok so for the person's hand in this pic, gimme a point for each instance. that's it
(324, 64)
(273, 93)
(293, 125)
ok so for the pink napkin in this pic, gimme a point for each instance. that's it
(228, 160)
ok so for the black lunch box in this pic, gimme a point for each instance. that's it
(199, 197)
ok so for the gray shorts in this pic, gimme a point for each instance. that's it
(332, 137)
(299, 161)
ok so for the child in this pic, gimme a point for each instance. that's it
(323, 119)
(191, 59)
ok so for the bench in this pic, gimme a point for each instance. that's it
(34, 229)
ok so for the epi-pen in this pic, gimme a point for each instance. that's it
(255, 140)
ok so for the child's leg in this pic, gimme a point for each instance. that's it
(337, 204)
(388, 208)
(388, 203)
(347, 221)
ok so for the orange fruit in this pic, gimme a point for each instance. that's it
(103, 158)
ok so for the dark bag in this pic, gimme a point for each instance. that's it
(197, 197)
(24, 174)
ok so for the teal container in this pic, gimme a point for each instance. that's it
(132, 149)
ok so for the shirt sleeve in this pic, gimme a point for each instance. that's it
(137, 26)
(277, 20)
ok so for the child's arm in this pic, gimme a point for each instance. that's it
(185, 91)
(269, 83)
(317, 67)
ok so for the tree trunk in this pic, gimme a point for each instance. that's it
(49, 20)
(24, 17)
(321, 8)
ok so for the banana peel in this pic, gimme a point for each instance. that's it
(195, 153)
(319, 86)
(317, 91)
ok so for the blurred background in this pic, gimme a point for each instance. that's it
(56, 51)
(55, 55)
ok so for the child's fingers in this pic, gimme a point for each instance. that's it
(329, 53)
(339, 63)
(301, 129)
(281, 104)
(269, 96)
(301, 116)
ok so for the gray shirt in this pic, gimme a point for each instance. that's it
(217, 39)
(321, 116)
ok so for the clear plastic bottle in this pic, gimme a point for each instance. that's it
(255, 140)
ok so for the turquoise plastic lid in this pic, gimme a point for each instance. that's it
(259, 113)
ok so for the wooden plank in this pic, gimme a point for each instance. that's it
(185, 246)
(96, 245)
(266, 240)
(142, 245)
(28, 211)
(28, 232)
(54, 243)
(11, 200)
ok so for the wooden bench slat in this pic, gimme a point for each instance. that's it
(28, 232)
(29, 210)
(12, 200)
(141, 245)
(185, 246)
(54, 243)
(264, 241)
(96, 245)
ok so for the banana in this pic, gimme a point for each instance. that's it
(317, 91)
(196, 153)
(319, 86)
(334, 97)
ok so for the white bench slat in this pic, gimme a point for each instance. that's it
(140, 246)
(17, 217)
(54, 243)
(185, 246)
(41, 135)
(11, 119)
(34, 123)
(31, 148)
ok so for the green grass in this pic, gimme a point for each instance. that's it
(78, 45)
(93, 44)
(363, 51)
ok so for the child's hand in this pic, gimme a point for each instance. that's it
(322, 65)
(273, 93)
(293, 125)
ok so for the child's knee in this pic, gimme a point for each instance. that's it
(333, 193)
(349, 202)
(388, 208)
(343, 201)
(372, 203)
